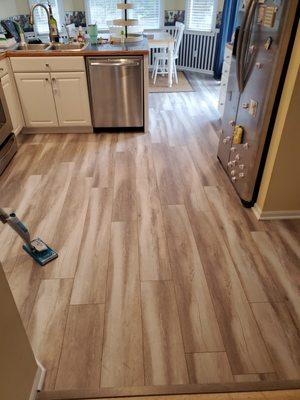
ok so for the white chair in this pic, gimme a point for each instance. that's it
(161, 59)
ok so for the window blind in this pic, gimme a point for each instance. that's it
(103, 11)
(148, 12)
(40, 16)
(200, 15)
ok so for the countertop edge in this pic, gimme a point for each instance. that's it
(84, 53)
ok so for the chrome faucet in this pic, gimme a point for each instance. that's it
(31, 18)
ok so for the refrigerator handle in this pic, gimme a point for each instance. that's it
(243, 42)
(245, 49)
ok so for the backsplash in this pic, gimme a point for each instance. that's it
(76, 17)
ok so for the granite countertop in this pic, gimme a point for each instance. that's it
(139, 48)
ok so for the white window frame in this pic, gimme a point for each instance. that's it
(214, 18)
(161, 19)
(61, 12)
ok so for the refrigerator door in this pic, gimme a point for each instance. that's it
(257, 78)
(261, 77)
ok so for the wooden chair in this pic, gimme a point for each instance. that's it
(161, 59)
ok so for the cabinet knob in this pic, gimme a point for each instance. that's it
(46, 79)
(47, 65)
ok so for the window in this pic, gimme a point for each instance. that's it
(201, 15)
(148, 12)
(40, 16)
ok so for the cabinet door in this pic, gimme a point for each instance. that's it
(13, 103)
(36, 95)
(71, 98)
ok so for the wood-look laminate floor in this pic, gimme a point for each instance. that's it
(164, 282)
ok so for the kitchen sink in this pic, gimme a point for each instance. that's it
(33, 46)
(68, 46)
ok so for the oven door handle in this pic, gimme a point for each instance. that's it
(12, 141)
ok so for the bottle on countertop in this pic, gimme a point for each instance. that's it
(53, 24)
(80, 35)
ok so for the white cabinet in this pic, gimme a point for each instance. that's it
(71, 98)
(36, 95)
(53, 91)
(13, 103)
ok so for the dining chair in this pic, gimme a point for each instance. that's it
(161, 59)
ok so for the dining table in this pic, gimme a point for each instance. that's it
(163, 40)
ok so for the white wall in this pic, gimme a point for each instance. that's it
(9, 8)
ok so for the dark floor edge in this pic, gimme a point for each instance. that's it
(168, 390)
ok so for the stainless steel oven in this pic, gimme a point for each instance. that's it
(8, 143)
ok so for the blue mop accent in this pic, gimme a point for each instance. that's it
(41, 257)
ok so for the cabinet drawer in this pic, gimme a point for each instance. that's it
(3, 68)
(47, 64)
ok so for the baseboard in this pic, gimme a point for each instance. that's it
(60, 129)
(269, 215)
(170, 390)
(38, 381)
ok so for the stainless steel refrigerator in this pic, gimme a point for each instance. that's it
(261, 50)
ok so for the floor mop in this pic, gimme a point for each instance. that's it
(36, 248)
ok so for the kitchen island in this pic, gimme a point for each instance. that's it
(52, 85)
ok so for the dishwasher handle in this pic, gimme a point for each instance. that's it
(114, 64)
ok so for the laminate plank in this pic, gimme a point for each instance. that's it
(169, 183)
(189, 177)
(84, 329)
(255, 377)
(163, 346)
(47, 205)
(282, 394)
(24, 282)
(153, 251)
(105, 161)
(69, 229)
(197, 316)
(209, 368)
(91, 274)
(204, 163)
(18, 171)
(285, 280)
(243, 342)
(47, 325)
(124, 205)
(284, 342)
(122, 360)
(10, 243)
(258, 284)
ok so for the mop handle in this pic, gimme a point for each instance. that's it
(14, 222)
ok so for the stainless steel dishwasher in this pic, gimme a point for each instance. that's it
(116, 91)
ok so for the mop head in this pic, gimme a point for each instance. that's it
(40, 252)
